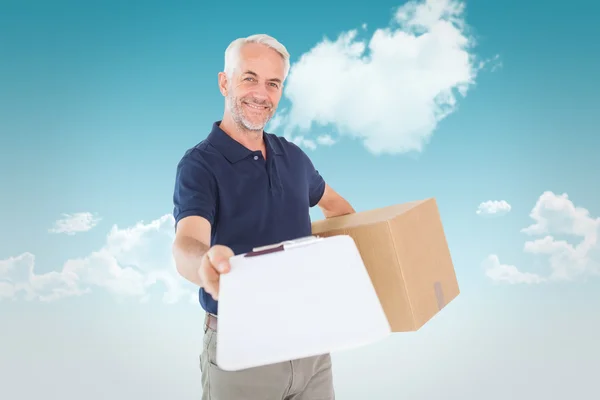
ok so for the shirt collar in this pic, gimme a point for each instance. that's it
(232, 149)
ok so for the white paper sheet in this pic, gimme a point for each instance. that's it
(308, 300)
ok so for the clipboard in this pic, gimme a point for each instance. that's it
(296, 299)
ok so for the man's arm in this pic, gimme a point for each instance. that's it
(333, 205)
(321, 194)
(192, 241)
(194, 201)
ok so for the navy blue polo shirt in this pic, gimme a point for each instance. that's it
(249, 201)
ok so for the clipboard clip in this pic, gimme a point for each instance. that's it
(282, 246)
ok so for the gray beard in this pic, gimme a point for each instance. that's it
(238, 116)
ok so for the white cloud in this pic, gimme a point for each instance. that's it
(493, 207)
(555, 215)
(131, 261)
(17, 275)
(390, 90)
(276, 121)
(303, 142)
(325, 140)
(507, 273)
(75, 223)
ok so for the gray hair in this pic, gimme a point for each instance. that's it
(232, 53)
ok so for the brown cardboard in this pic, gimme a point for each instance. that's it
(406, 254)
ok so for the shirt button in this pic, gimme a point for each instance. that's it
(256, 157)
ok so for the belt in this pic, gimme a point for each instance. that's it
(210, 322)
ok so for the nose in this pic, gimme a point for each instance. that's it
(260, 92)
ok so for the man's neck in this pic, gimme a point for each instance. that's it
(252, 140)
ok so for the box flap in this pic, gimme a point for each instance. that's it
(363, 218)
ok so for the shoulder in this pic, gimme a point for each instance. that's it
(288, 148)
(196, 162)
(200, 155)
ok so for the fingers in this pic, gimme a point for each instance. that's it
(219, 258)
(214, 263)
(209, 277)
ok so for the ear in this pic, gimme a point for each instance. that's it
(223, 83)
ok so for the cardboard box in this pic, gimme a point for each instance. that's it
(405, 252)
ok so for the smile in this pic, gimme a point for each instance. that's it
(255, 107)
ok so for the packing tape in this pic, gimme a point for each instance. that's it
(439, 295)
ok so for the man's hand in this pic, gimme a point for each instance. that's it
(333, 205)
(214, 263)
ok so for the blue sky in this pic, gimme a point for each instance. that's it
(100, 100)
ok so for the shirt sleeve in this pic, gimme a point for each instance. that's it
(195, 190)
(316, 183)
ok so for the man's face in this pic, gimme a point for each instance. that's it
(253, 93)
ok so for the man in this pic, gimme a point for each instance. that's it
(242, 188)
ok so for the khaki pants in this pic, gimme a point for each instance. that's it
(305, 379)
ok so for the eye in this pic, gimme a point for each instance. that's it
(274, 85)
